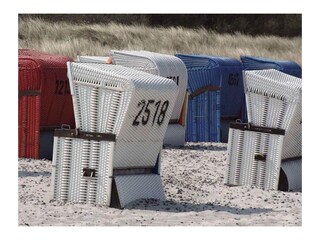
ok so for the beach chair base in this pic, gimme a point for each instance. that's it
(291, 178)
(82, 167)
(175, 135)
(128, 188)
(254, 156)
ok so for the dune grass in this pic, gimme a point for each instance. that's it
(98, 39)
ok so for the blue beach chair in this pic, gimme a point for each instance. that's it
(216, 96)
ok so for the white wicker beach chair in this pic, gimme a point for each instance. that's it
(165, 66)
(133, 105)
(273, 102)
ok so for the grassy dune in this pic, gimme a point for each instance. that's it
(98, 39)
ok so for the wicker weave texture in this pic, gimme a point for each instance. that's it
(242, 166)
(71, 158)
(158, 64)
(226, 75)
(44, 97)
(134, 105)
(274, 99)
(203, 118)
(150, 63)
(224, 72)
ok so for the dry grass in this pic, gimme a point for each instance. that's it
(99, 39)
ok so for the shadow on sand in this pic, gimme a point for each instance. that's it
(22, 174)
(172, 206)
(197, 146)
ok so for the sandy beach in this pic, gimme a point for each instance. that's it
(192, 177)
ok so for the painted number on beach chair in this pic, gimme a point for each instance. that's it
(175, 79)
(145, 107)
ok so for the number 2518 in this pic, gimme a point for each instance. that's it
(146, 108)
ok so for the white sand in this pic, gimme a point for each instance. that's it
(196, 196)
